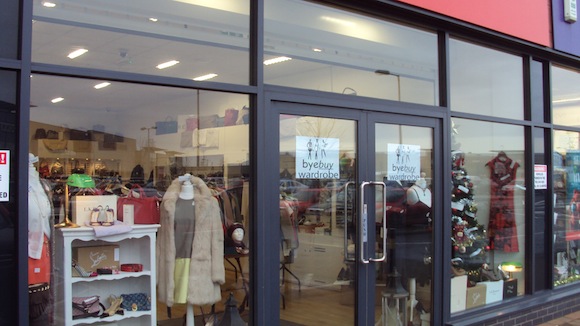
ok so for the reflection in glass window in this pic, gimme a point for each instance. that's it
(114, 141)
(317, 227)
(9, 205)
(567, 207)
(565, 97)
(488, 212)
(337, 51)
(9, 34)
(485, 81)
(188, 39)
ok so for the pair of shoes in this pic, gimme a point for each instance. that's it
(102, 216)
(114, 307)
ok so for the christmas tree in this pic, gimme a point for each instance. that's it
(468, 236)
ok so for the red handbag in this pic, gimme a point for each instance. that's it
(145, 209)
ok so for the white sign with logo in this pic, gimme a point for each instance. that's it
(404, 162)
(540, 176)
(317, 158)
(4, 175)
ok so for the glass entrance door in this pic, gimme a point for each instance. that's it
(355, 220)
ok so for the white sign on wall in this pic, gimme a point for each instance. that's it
(317, 158)
(404, 162)
(4, 175)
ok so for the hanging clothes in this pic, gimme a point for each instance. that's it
(502, 229)
(39, 229)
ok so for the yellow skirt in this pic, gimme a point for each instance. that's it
(181, 277)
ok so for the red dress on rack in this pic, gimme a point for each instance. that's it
(502, 229)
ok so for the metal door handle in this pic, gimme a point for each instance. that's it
(363, 221)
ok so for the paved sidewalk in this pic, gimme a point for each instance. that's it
(572, 319)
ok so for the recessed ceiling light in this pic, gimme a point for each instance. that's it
(167, 64)
(77, 53)
(566, 100)
(316, 50)
(205, 77)
(57, 99)
(338, 21)
(102, 85)
(153, 19)
(276, 60)
(49, 4)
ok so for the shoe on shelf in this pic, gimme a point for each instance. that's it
(80, 270)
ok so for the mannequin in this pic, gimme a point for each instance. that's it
(419, 202)
(39, 253)
(190, 246)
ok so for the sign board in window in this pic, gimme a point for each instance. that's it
(404, 162)
(4, 175)
(317, 158)
(540, 176)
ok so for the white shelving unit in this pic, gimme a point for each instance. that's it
(137, 246)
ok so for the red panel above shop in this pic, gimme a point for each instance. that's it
(525, 19)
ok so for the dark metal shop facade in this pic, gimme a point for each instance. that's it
(421, 161)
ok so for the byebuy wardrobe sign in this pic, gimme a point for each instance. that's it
(404, 162)
(317, 158)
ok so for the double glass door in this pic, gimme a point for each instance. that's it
(356, 219)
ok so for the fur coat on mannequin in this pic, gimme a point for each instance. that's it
(206, 270)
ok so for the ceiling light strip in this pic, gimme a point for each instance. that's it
(276, 60)
(205, 77)
(167, 64)
(77, 53)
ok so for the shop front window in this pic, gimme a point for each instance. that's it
(189, 39)
(565, 96)
(485, 81)
(488, 213)
(338, 51)
(117, 160)
(8, 200)
(567, 207)
(8, 34)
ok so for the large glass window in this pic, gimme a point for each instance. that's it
(565, 97)
(566, 207)
(8, 198)
(9, 29)
(485, 81)
(338, 51)
(488, 213)
(111, 151)
(190, 39)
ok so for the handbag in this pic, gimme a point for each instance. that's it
(231, 117)
(85, 307)
(191, 123)
(145, 209)
(208, 121)
(136, 301)
(168, 126)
